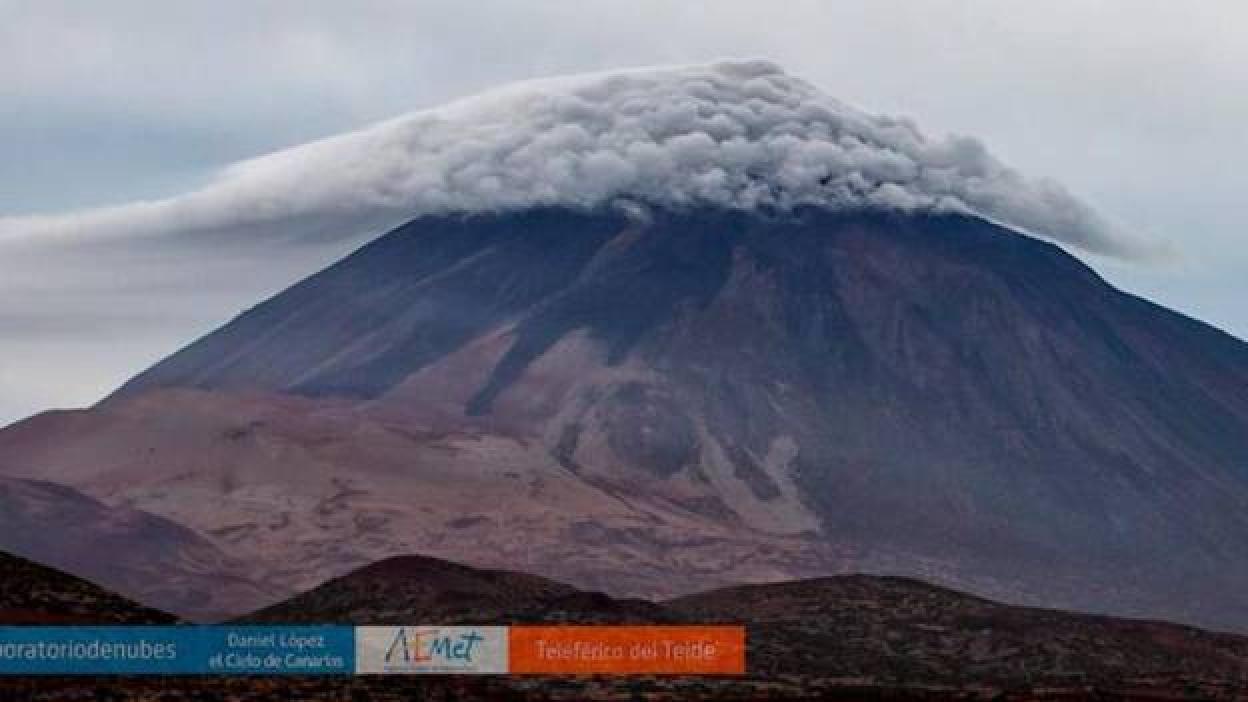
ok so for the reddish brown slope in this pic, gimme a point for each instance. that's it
(143, 556)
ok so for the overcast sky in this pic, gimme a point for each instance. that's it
(1137, 107)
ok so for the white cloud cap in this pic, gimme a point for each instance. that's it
(730, 134)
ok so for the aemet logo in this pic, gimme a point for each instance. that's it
(425, 645)
(431, 649)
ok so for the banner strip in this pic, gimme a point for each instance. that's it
(177, 650)
(371, 650)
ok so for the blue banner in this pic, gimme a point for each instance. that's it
(177, 650)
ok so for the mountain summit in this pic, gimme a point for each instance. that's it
(742, 135)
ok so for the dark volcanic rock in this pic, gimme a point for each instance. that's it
(38, 595)
(852, 637)
(827, 634)
(901, 631)
(416, 589)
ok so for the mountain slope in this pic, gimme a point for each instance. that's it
(306, 489)
(661, 404)
(36, 595)
(141, 555)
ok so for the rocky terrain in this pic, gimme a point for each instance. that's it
(35, 594)
(407, 589)
(848, 630)
(898, 631)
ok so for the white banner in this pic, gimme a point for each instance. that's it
(431, 649)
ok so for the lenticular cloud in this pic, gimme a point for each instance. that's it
(734, 134)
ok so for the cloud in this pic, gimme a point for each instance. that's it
(1125, 100)
(732, 134)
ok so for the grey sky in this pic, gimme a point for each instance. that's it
(1135, 106)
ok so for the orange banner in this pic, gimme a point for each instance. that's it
(662, 650)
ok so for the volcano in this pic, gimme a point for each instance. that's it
(696, 398)
(654, 395)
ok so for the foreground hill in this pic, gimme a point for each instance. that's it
(408, 589)
(35, 594)
(849, 637)
(829, 634)
(896, 630)
(133, 552)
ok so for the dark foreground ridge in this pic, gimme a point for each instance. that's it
(887, 631)
(38, 595)
(848, 637)
(409, 589)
